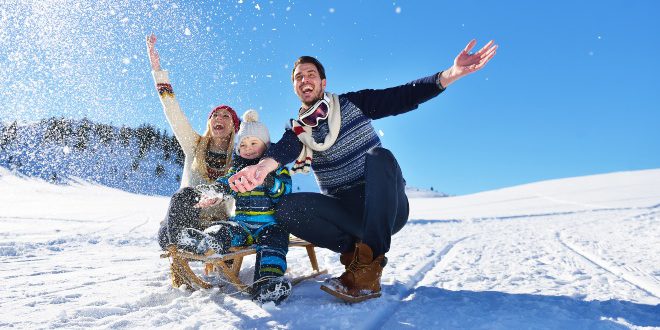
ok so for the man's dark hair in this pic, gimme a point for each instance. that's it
(308, 59)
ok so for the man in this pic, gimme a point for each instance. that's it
(363, 201)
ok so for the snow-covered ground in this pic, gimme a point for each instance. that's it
(563, 254)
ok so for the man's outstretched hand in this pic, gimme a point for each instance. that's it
(252, 176)
(466, 62)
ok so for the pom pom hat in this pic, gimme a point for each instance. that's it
(234, 116)
(250, 126)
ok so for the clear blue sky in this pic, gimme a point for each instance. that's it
(572, 90)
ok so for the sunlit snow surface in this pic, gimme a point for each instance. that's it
(563, 254)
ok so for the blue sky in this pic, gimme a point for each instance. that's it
(572, 90)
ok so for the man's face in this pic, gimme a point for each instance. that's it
(307, 84)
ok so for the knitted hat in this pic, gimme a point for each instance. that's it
(252, 127)
(234, 116)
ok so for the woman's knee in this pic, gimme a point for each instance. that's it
(185, 194)
(163, 238)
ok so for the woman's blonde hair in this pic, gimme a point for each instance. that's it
(199, 162)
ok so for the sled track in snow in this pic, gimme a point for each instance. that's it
(643, 283)
(393, 303)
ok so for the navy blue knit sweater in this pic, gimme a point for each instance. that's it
(342, 165)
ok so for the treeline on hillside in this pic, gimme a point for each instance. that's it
(56, 147)
(78, 135)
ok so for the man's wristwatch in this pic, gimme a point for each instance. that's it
(437, 81)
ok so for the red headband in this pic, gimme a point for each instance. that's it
(234, 117)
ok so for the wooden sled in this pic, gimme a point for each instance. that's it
(227, 265)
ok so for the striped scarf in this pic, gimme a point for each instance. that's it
(304, 134)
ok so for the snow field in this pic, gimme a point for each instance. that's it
(572, 253)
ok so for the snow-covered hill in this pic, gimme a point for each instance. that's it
(141, 160)
(563, 254)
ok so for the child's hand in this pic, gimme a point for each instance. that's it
(206, 202)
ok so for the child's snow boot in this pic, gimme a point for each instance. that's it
(274, 289)
(361, 280)
(220, 235)
(196, 241)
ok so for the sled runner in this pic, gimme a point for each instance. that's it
(227, 265)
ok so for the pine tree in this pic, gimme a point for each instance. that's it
(135, 165)
(178, 151)
(82, 134)
(125, 134)
(9, 134)
(105, 133)
(146, 135)
(160, 170)
(58, 130)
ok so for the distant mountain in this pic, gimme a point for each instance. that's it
(414, 192)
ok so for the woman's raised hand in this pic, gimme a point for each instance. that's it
(154, 59)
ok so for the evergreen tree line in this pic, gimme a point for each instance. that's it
(38, 149)
(78, 134)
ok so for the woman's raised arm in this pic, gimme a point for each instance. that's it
(154, 59)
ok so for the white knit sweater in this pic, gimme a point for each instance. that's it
(183, 131)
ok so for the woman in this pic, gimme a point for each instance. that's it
(207, 157)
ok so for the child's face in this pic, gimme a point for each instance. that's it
(251, 148)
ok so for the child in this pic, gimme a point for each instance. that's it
(254, 221)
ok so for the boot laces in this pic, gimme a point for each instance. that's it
(356, 265)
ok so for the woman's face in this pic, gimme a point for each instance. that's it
(221, 124)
